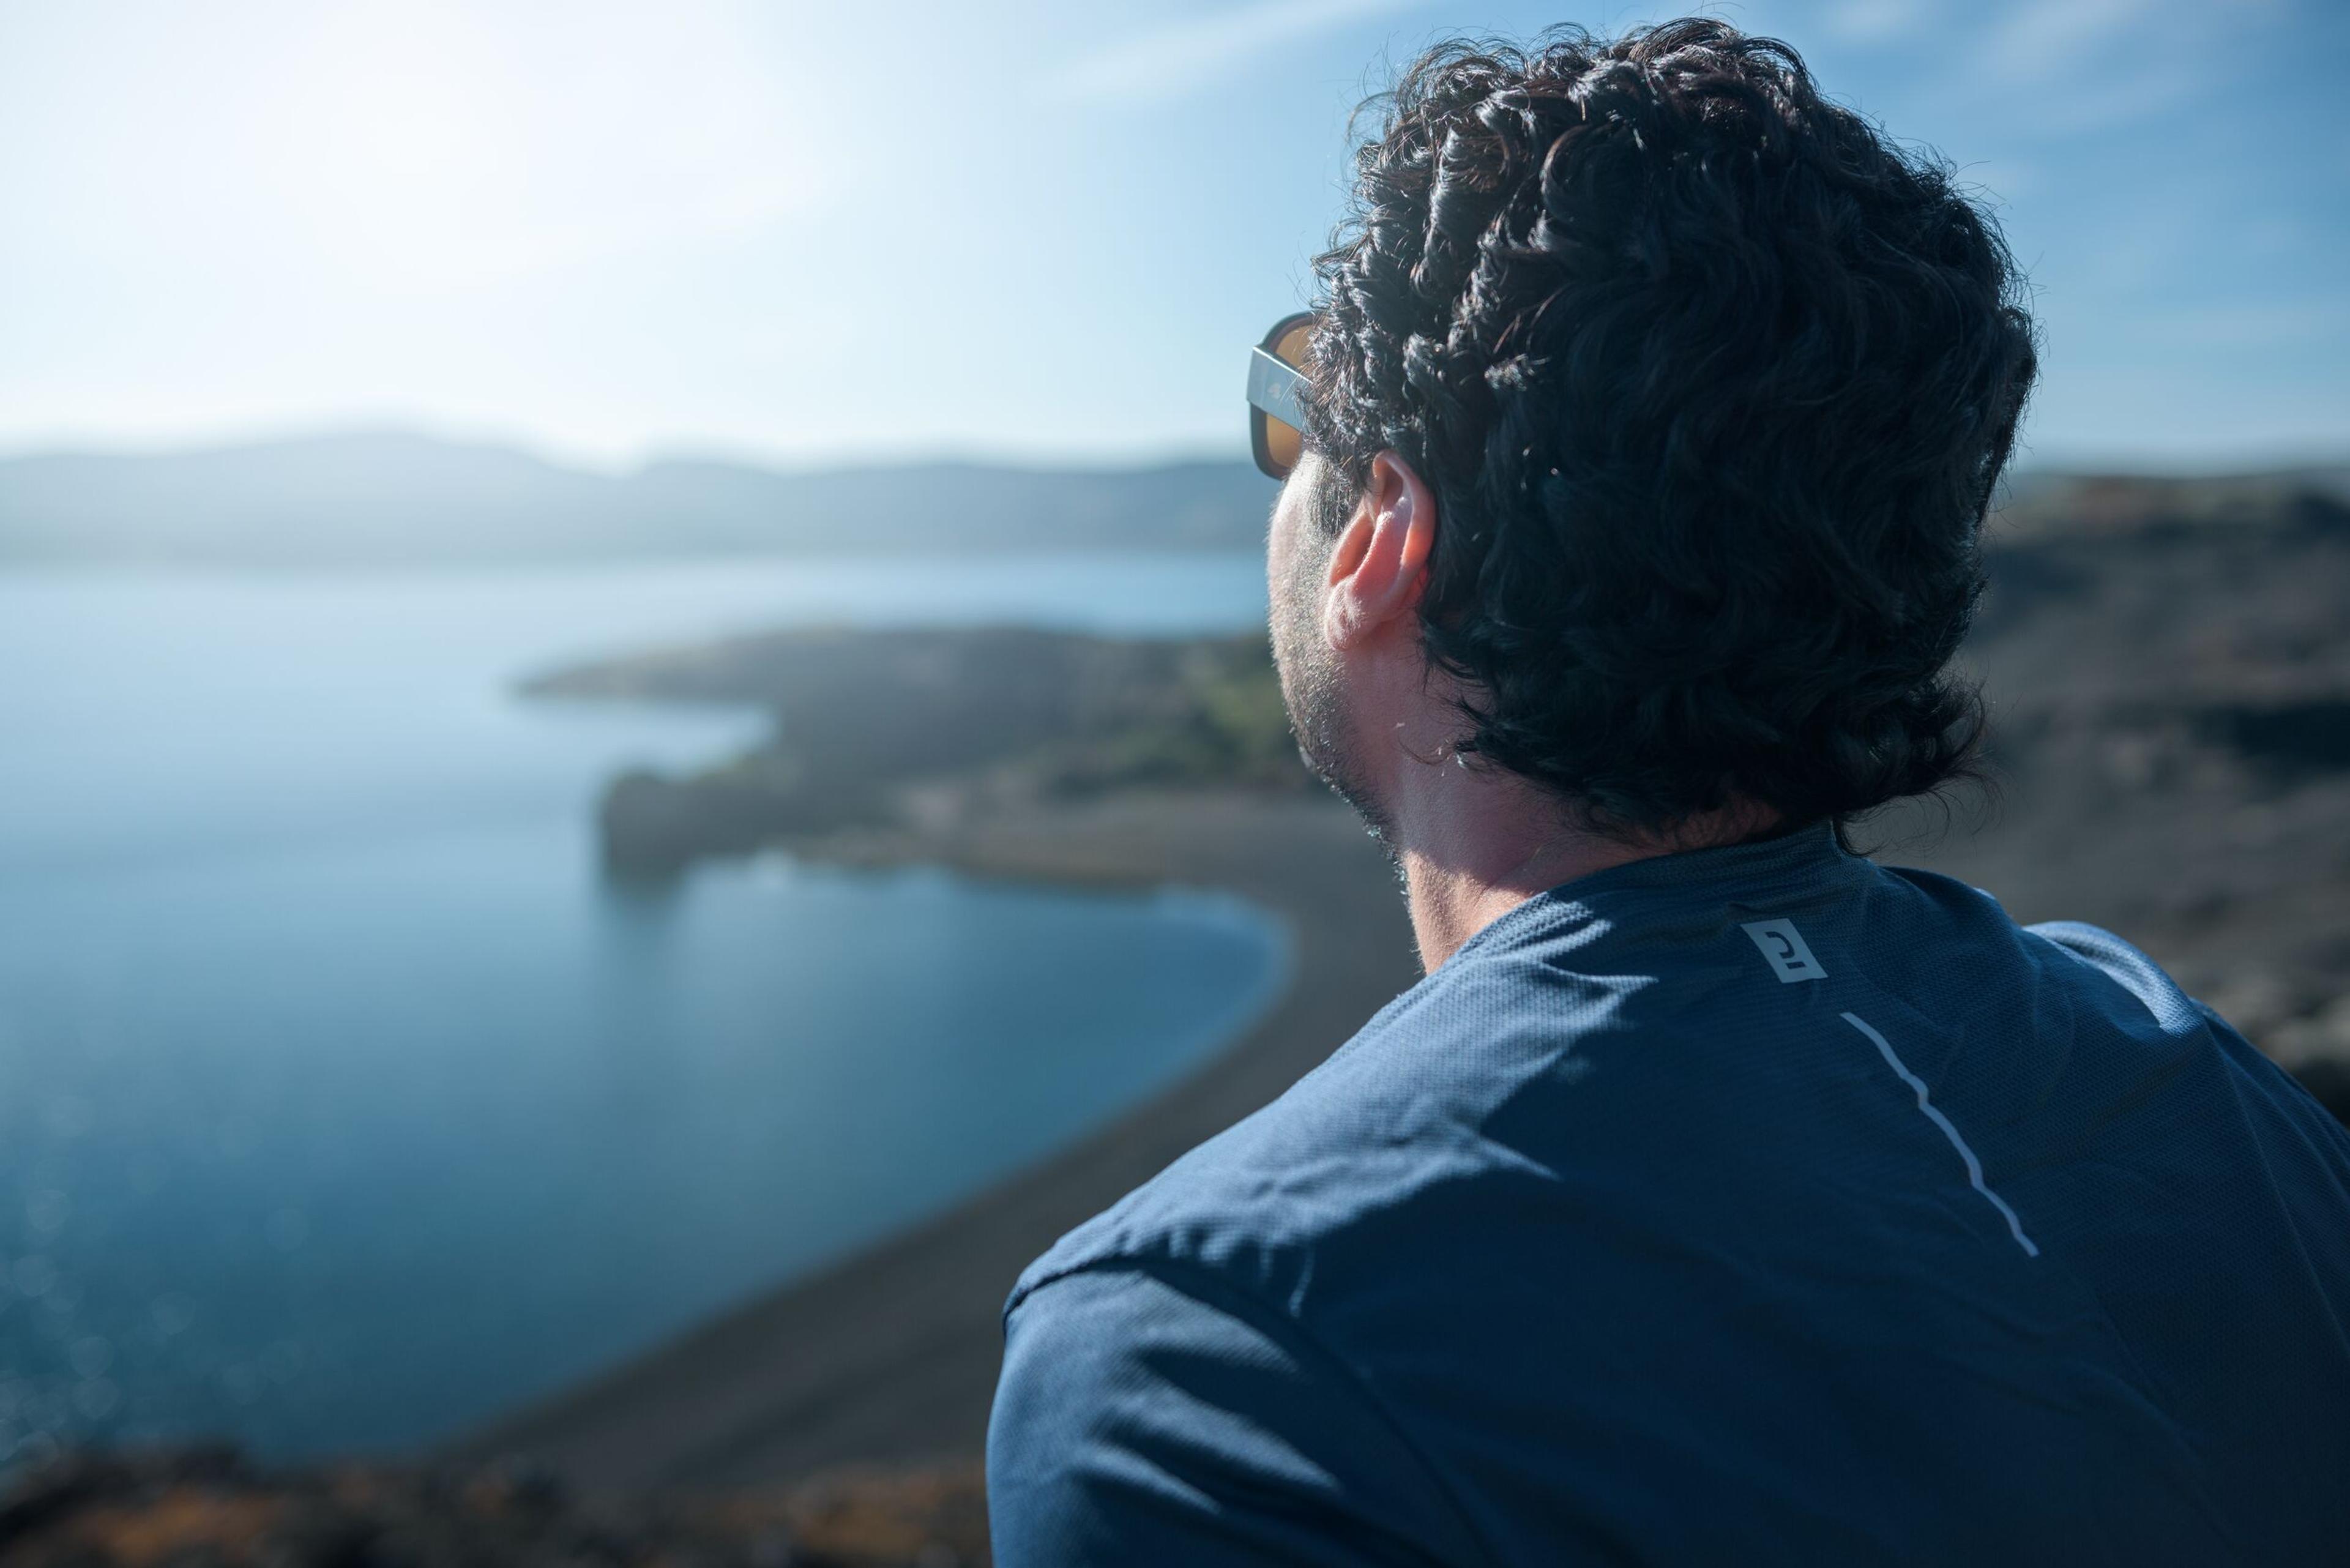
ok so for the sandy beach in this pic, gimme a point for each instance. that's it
(891, 1355)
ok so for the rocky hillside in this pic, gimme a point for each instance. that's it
(2169, 669)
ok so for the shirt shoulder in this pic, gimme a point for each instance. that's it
(2132, 994)
(1150, 1416)
(1392, 1118)
(2098, 950)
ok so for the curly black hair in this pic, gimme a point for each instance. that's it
(1711, 383)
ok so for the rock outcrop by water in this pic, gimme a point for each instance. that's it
(922, 726)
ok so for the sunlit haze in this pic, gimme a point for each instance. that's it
(1040, 230)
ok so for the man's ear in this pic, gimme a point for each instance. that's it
(1379, 567)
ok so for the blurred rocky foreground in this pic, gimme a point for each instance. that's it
(208, 1508)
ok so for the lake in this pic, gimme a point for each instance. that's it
(344, 1105)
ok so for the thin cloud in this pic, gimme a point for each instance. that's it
(2036, 41)
(1170, 62)
(1879, 21)
(2075, 67)
(2124, 99)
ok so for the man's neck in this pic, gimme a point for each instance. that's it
(1475, 843)
(1451, 900)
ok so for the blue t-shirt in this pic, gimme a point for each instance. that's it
(1754, 1205)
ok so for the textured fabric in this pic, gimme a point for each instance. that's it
(1755, 1205)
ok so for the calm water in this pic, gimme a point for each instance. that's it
(342, 1104)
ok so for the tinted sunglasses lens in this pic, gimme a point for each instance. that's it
(1277, 443)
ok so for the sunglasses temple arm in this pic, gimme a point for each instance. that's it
(1278, 388)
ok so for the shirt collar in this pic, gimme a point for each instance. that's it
(1809, 857)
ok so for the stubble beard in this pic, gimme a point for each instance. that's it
(1313, 692)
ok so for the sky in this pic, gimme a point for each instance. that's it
(1040, 230)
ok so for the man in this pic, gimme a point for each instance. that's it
(1719, 1196)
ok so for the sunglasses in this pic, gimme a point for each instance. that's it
(1276, 395)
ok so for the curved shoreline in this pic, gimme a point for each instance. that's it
(890, 1354)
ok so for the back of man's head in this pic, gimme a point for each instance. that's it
(1711, 384)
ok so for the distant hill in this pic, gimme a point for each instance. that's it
(402, 499)
(389, 498)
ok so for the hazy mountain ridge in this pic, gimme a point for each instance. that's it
(392, 498)
(396, 499)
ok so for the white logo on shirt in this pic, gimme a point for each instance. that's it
(1790, 956)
